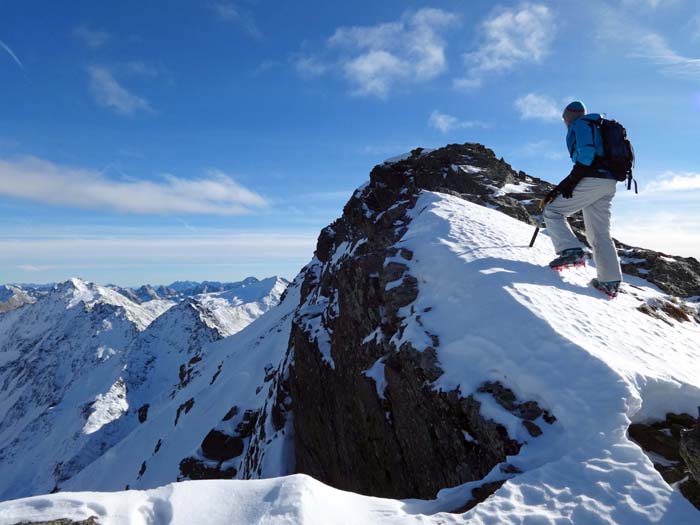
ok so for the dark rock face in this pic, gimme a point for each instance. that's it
(195, 469)
(678, 276)
(690, 452)
(184, 409)
(143, 413)
(221, 447)
(677, 440)
(408, 440)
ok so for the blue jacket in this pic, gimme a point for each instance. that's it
(583, 139)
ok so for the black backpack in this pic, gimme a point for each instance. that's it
(618, 157)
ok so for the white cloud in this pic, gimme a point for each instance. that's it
(667, 232)
(310, 66)
(140, 69)
(31, 268)
(671, 181)
(654, 47)
(446, 123)
(154, 255)
(511, 37)
(234, 14)
(375, 72)
(653, 4)
(38, 180)
(639, 42)
(538, 107)
(92, 38)
(111, 94)
(172, 249)
(11, 53)
(375, 59)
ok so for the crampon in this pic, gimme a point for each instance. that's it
(610, 288)
(568, 259)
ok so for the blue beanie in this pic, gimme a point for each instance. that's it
(573, 111)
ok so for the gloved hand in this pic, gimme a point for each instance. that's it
(550, 197)
(567, 186)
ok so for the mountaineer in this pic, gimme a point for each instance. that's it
(602, 156)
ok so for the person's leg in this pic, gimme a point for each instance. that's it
(596, 217)
(556, 212)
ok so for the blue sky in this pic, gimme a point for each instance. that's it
(155, 141)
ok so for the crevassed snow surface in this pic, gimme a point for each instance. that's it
(502, 315)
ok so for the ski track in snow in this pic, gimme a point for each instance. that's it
(501, 315)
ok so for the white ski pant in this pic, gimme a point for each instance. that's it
(593, 196)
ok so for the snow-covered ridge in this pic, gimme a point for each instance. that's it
(501, 316)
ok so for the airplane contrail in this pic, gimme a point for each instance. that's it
(14, 57)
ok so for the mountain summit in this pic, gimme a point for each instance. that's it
(426, 352)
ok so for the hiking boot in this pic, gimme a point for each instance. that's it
(610, 288)
(569, 258)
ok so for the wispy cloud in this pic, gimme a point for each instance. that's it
(31, 268)
(511, 37)
(653, 4)
(668, 232)
(156, 255)
(639, 42)
(140, 69)
(538, 107)
(92, 38)
(541, 148)
(11, 53)
(375, 59)
(310, 66)
(445, 123)
(216, 193)
(237, 15)
(672, 181)
(109, 93)
(171, 248)
(656, 49)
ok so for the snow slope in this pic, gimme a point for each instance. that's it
(501, 315)
(81, 368)
(236, 308)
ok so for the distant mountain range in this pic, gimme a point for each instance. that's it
(76, 356)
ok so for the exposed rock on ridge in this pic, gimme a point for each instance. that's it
(366, 417)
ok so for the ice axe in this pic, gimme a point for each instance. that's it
(543, 202)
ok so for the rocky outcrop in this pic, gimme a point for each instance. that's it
(673, 445)
(473, 172)
(13, 297)
(690, 452)
(366, 416)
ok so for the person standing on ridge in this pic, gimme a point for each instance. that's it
(590, 189)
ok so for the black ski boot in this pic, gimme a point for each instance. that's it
(609, 288)
(568, 258)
